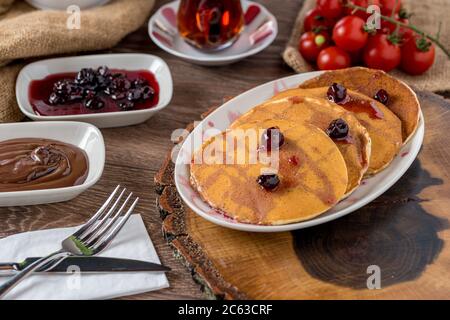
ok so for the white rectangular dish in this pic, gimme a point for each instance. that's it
(41, 69)
(83, 135)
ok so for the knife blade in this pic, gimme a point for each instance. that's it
(86, 265)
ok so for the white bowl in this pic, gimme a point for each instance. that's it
(242, 48)
(220, 120)
(41, 69)
(63, 4)
(82, 135)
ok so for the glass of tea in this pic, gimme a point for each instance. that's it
(210, 24)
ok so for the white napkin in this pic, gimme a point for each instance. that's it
(132, 242)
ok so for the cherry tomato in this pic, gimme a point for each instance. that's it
(348, 33)
(314, 20)
(417, 55)
(312, 43)
(388, 27)
(330, 8)
(361, 3)
(333, 58)
(387, 6)
(381, 53)
(406, 34)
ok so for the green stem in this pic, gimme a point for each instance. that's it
(409, 26)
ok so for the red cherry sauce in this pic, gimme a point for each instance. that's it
(358, 106)
(293, 160)
(39, 91)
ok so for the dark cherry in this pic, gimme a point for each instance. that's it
(95, 103)
(66, 91)
(118, 96)
(127, 105)
(139, 83)
(336, 93)
(382, 96)
(134, 95)
(86, 76)
(103, 71)
(62, 87)
(147, 92)
(272, 137)
(103, 77)
(119, 84)
(109, 90)
(338, 129)
(55, 99)
(76, 94)
(268, 181)
(89, 94)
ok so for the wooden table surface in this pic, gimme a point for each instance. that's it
(134, 154)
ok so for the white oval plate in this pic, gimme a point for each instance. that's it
(82, 135)
(221, 118)
(128, 61)
(242, 48)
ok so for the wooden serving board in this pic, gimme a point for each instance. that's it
(405, 232)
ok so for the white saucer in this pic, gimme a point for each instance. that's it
(162, 29)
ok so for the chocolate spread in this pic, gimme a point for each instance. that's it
(34, 164)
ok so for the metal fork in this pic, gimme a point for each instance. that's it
(88, 240)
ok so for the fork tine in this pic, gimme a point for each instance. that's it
(116, 229)
(91, 231)
(94, 237)
(96, 216)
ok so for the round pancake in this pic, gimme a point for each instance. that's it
(319, 112)
(383, 126)
(402, 102)
(311, 169)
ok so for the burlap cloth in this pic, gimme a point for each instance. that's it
(427, 15)
(26, 32)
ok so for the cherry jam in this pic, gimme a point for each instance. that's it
(39, 93)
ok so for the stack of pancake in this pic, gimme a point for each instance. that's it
(309, 168)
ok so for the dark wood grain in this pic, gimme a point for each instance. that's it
(134, 154)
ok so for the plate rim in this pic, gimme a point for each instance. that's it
(415, 144)
(212, 59)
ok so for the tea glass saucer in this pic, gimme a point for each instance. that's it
(259, 32)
